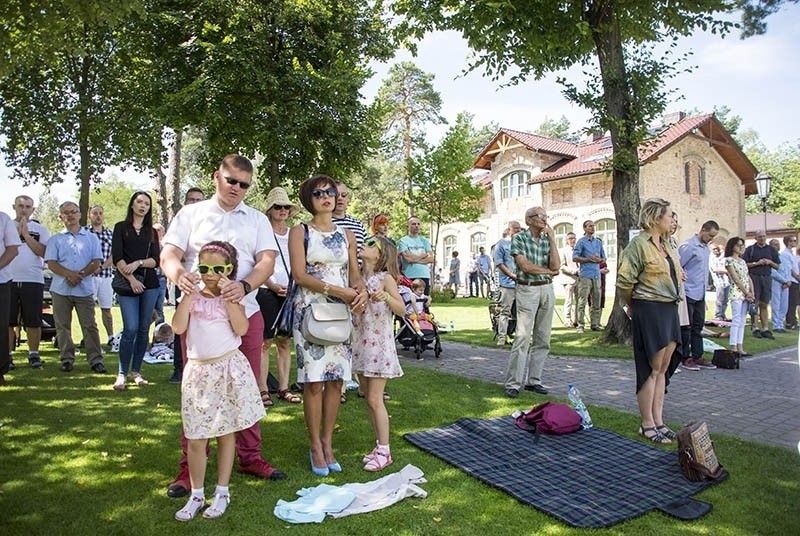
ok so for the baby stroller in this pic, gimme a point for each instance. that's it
(417, 329)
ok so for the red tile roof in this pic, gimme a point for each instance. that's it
(587, 158)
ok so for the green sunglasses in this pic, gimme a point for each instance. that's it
(373, 242)
(215, 268)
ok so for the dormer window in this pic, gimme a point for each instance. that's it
(514, 184)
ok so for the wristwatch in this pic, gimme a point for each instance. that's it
(246, 286)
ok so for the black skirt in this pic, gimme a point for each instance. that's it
(654, 326)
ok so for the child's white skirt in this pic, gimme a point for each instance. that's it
(219, 396)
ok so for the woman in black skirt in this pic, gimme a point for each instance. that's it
(649, 284)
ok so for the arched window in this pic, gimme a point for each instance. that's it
(514, 184)
(606, 230)
(449, 247)
(694, 177)
(561, 231)
(477, 241)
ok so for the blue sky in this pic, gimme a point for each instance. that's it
(757, 78)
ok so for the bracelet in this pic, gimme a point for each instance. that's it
(386, 298)
(326, 288)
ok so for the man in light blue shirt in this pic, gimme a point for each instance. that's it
(589, 253)
(484, 266)
(694, 254)
(416, 254)
(507, 277)
(781, 281)
(73, 256)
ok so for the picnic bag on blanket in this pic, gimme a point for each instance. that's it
(727, 359)
(326, 323)
(696, 454)
(550, 418)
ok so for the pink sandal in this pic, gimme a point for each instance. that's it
(379, 461)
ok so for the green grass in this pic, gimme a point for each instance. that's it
(471, 318)
(80, 458)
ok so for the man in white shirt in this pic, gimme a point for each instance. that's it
(27, 278)
(226, 217)
(9, 248)
(101, 279)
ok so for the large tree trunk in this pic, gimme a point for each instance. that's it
(408, 185)
(84, 105)
(162, 196)
(274, 178)
(174, 163)
(625, 190)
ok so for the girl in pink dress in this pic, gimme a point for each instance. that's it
(374, 353)
(219, 395)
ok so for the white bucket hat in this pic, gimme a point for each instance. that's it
(278, 196)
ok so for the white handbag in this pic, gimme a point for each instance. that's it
(326, 323)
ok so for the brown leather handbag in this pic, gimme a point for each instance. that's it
(696, 454)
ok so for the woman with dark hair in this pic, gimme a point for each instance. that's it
(740, 293)
(324, 265)
(135, 251)
(648, 282)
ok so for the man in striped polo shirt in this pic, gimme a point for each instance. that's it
(536, 255)
(340, 217)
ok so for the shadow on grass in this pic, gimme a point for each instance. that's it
(81, 458)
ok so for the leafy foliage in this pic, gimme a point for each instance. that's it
(408, 101)
(442, 192)
(558, 130)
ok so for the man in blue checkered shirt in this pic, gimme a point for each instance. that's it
(101, 279)
(536, 255)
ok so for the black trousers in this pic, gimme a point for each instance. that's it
(692, 335)
(5, 299)
(794, 301)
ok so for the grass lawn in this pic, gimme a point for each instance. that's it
(473, 326)
(80, 458)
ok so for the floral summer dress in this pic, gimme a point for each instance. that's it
(326, 260)
(740, 267)
(374, 352)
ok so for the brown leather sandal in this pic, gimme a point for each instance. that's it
(288, 396)
(266, 399)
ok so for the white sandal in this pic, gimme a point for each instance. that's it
(189, 511)
(138, 380)
(379, 461)
(119, 385)
(218, 506)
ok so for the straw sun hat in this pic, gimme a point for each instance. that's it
(278, 196)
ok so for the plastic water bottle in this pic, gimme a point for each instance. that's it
(578, 405)
(452, 327)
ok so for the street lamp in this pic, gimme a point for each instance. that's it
(764, 184)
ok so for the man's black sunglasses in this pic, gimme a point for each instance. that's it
(243, 185)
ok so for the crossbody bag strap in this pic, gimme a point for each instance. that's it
(283, 260)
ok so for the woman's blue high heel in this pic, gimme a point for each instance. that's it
(319, 471)
(335, 467)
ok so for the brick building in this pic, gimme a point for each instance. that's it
(692, 162)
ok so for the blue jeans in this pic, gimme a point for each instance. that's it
(162, 294)
(137, 314)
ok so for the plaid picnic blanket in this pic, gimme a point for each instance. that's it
(590, 479)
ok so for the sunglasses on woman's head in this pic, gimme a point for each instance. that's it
(243, 185)
(319, 193)
(373, 242)
(215, 268)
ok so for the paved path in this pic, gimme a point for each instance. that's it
(759, 402)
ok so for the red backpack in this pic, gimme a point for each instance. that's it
(550, 418)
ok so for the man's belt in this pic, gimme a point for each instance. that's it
(533, 283)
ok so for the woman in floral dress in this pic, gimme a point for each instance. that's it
(325, 266)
